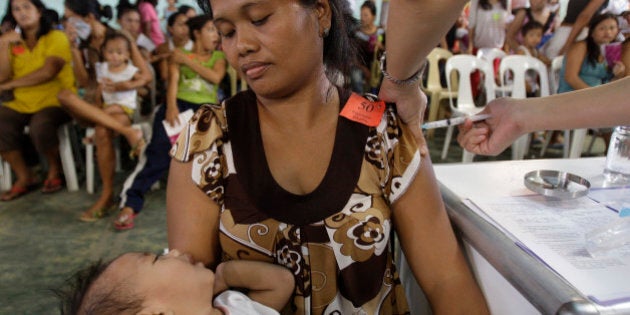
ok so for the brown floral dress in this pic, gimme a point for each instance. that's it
(334, 239)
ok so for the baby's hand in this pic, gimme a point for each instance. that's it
(219, 280)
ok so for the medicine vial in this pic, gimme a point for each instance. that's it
(617, 168)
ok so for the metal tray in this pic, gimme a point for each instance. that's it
(557, 184)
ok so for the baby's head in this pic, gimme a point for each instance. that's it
(116, 49)
(532, 33)
(141, 283)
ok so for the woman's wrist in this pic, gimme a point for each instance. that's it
(413, 79)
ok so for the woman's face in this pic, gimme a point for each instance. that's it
(275, 44)
(367, 18)
(130, 22)
(208, 36)
(605, 32)
(179, 30)
(25, 13)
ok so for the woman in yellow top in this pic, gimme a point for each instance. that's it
(39, 67)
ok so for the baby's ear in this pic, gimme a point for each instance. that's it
(155, 310)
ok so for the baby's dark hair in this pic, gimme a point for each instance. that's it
(76, 296)
(531, 25)
(116, 35)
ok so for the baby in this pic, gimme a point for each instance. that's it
(143, 283)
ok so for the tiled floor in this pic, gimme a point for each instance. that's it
(42, 242)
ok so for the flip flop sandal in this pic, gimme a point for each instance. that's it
(14, 193)
(96, 215)
(125, 222)
(52, 185)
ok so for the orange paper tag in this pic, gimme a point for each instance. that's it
(363, 111)
(17, 49)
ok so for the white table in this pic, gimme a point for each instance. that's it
(513, 281)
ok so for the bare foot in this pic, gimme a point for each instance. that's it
(97, 211)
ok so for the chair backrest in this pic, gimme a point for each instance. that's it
(433, 76)
(519, 65)
(234, 88)
(490, 54)
(465, 65)
(554, 77)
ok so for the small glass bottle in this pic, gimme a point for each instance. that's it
(618, 157)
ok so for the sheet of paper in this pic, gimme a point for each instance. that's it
(554, 230)
(173, 131)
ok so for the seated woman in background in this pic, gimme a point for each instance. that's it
(86, 50)
(129, 20)
(584, 65)
(36, 65)
(119, 103)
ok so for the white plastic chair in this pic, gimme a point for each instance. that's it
(433, 88)
(465, 105)
(554, 82)
(490, 55)
(67, 162)
(519, 65)
(5, 175)
(554, 78)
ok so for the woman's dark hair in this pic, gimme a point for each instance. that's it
(45, 24)
(340, 51)
(113, 299)
(196, 23)
(124, 7)
(531, 25)
(85, 7)
(185, 8)
(171, 19)
(592, 49)
(370, 5)
(485, 4)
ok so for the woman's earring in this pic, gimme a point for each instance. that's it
(325, 34)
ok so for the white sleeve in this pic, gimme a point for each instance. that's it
(472, 14)
(237, 303)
